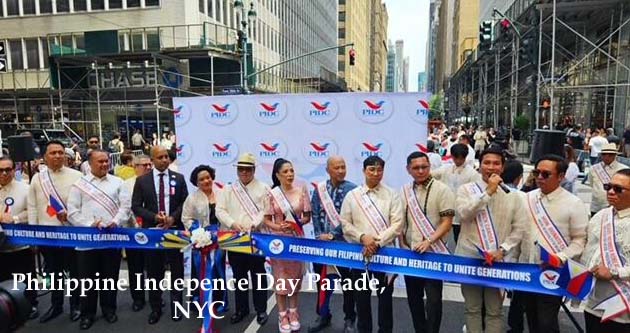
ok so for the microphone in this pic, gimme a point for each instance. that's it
(505, 188)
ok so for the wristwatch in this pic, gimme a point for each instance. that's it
(614, 272)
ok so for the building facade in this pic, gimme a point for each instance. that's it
(390, 82)
(422, 82)
(378, 46)
(445, 45)
(432, 43)
(405, 74)
(354, 27)
(400, 57)
(465, 31)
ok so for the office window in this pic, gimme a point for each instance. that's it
(63, 6)
(13, 8)
(201, 4)
(45, 52)
(210, 9)
(79, 42)
(342, 33)
(152, 3)
(153, 41)
(133, 3)
(45, 6)
(32, 53)
(15, 46)
(217, 10)
(115, 4)
(80, 5)
(98, 4)
(342, 16)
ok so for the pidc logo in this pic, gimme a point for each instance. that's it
(270, 113)
(318, 151)
(374, 111)
(421, 111)
(183, 152)
(376, 147)
(181, 114)
(221, 113)
(268, 150)
(223, 152)
(321, 112)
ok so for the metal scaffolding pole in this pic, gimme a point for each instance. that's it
(514, 81)
(553, 64)
(539, 72)
(497, 68)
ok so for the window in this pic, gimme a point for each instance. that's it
(45, 6)
(210, 9)
(342, 16)
(152, 3)
(217, 10)
(98, 4)
(201, 4)
(13, 8)
(79, 41)
(1, 11)
(113, 4)
(63, 6)
(342, 33)
(17, 62)
(32, 53)
(45, 52)
(80, 5)
(133, 3)
(28, 6)
(153, 41)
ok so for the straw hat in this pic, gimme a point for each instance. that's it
(246, 160)
(610, 148)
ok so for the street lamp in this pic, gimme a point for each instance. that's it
(242, 36)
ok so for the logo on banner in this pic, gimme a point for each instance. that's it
(549, 279)
(269, 150)
(182, 114)
(184, 153)
(365, 149)
(374, 111)
(276, 246)
(321, 112)
(318, 151)
(141, 238)
(221, 113)
(223, 152)
(270, 113)
(421, 112)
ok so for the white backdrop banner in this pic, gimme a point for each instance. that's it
(304, 129)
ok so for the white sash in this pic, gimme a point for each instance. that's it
(620, 303)
(329, 206)
(420, 220)
(284, 204)
(545, 225)
(100, 197)
(603, 176)
(485, 227)
(48, 187)
(245, 200)
(374, 216)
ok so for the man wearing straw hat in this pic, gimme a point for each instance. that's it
(240, 208)
(600, 174)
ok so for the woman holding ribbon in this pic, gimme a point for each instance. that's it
(287, 209)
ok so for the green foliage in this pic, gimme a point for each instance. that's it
(522, 123)
(437, 107)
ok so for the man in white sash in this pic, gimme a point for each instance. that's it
(607, 254)
(326, 204)
(240, 208)
(494, 222)
(600, 174)
(429, 207)
(54, 181)
(98, 200)
(557, 222)
(371, 215)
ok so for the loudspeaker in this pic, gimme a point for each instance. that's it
(21, 148)
(547, 142)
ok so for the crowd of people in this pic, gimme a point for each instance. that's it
(491, 208)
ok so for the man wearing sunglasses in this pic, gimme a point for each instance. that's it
(600, 174)
(93, 143)
(492, 222)
(557, 222)
(607, 253)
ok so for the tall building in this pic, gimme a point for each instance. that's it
(405, 75)
(400, 57)
(422, 82)
(465, 31)
(444, 50)
(432, 43)
(390, 82)
(378, 46)
(354, 26)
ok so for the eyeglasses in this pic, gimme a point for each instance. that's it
(146, 165)
(618, 189)
(6, 170)
(544, 174)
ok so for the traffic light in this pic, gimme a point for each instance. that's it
(506, 29)
(352, 53)
(528, 51)
(485, 35)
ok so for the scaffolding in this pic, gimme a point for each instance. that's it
(580, 66)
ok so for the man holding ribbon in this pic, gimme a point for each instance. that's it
(557, 225)
(240, 208)
(47, 197)
(600, 174)
(326, 204)
(607, 254)
(493, 224)
(429, 207)
(98, 200)
(371, 215)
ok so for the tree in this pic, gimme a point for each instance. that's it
(436, 110)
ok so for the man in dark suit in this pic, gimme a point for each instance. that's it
(157, 199)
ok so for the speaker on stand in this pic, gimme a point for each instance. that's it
(21, 150)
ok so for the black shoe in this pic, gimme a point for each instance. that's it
(111, 318)
(261, 318)
(238, 317)
(75, 314)
(319, 324)
(137, 306)
(348, 326)
(154, 317)
(34, 313)
(52, 313)
(86, 323)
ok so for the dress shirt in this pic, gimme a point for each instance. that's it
(598, 199)
(83, 210)
(592, 257)
(321, 223)
(18, 191)
(570, 222)
(436, 201)
(355, 223)
(454, 177)
(229, 209)
(38, 202)
(167, 190)
(128, 185)
(508, 213)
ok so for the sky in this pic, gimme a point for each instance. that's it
(409, 21)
